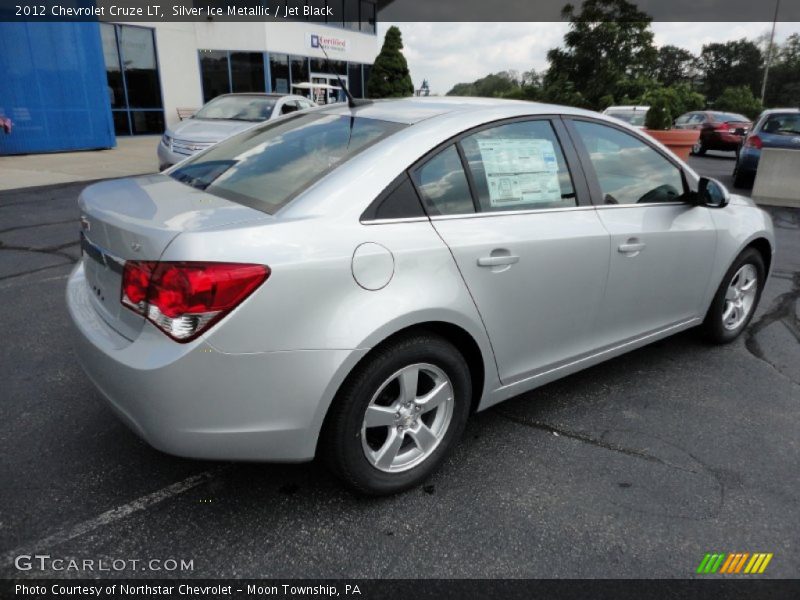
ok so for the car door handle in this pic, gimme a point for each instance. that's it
(631, 247)
(497, 261)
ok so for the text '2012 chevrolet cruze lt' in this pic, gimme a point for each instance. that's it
(352, 282)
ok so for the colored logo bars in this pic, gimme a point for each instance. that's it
(734, 563)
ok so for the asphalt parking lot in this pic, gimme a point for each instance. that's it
(634, 468)
(718, 165)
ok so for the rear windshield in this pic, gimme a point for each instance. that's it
(788, 124)
(237, 108)
(632, 118)
(730, 118)
(267, 166)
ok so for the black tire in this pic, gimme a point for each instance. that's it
(742, 180)
(713, 328)
(700, 151)
(340, 444)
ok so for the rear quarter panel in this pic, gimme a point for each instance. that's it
(311, 301)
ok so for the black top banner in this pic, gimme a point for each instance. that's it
(322, 11)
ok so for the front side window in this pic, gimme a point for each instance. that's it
(628, 170)
(519, 166)
(266, 166)
(443, 185)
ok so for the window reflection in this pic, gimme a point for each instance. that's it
(214, 72)
(134, 89)
(629, 170)
(279, 73)
(138, 54)
(247, 72)
(443, 184)
(116, 91)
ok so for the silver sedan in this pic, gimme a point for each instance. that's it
(220, 118)
(353, 283)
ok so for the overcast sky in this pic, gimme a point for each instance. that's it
(450, 53)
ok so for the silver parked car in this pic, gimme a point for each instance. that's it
(221, 118)
(353, 283)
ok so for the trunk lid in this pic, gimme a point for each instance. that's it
(136, 219)
(780, 140)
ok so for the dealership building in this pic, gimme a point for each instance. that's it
(70, 86)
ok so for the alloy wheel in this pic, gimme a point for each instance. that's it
(740, 297)
(407, 418)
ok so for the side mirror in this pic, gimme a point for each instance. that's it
(712, 193)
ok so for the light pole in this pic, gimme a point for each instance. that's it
(769, 52)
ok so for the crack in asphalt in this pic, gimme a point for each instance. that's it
(19, 227)
(51, 250)
(587, 439)
(55, 250)
(783, 310)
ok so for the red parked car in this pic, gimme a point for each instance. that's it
(718, 130)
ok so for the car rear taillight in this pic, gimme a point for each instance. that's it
(754, 142)
(183, 299)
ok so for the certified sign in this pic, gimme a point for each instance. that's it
(326, 42)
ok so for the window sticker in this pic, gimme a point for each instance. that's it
(520, 171)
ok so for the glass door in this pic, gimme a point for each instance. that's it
(325, 88)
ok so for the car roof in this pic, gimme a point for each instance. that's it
(415, 109)
(259, 94)
(630, 108)
(774, 111)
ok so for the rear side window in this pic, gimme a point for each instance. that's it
(265, 167)
(443, 185)
(398, 201)
(519, 166)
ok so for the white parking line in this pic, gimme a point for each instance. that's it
(108, 517)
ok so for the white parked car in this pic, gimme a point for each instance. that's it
(221, 118)
(352, 283)
(632, 115)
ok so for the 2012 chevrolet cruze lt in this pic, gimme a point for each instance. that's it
(351, 283)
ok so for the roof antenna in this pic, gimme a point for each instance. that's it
(351, 102)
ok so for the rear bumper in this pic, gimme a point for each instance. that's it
(192, 400)
(723, 141)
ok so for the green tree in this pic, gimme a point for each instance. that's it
(498, 85)
(783, 83)
(390, 77)
(609, 44)
(738, 62)
(658, 115)
(679, 99)
(739, 99)
(675, 65)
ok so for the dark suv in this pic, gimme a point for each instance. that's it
(718, 130)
